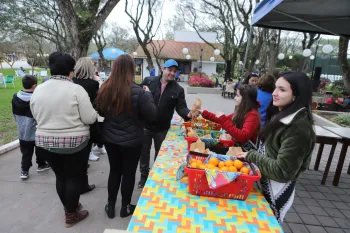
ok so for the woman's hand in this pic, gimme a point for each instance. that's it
(242, 155)
(145, 88)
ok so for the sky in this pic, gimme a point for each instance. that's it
(119, 16)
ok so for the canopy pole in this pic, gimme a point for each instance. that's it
(247, 50)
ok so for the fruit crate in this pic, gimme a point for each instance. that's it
(238, 189)
(215, 134)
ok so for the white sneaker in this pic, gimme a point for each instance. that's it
(93, 157)
(98, 150)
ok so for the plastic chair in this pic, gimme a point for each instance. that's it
(10, 79)
(2, 80)
(229, 89)
(43, 73)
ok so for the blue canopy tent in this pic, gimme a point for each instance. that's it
(109, 54)
(318, 16)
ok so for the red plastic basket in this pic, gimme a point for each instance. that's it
(238, 189)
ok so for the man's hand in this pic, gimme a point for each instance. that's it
(219, 114)
(145, 88)
(189, 115)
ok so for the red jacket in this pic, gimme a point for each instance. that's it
(249, 131)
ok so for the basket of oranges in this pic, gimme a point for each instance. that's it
(220, 176)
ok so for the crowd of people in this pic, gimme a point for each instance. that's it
(66, 115)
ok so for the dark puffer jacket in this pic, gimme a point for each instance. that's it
(126, 129)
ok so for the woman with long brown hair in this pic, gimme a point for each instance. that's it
(244, 124)
(124, 106)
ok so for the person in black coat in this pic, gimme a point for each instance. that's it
(83, 76)
(125, 107)
(168, 95)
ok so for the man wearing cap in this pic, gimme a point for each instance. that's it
(168, 95)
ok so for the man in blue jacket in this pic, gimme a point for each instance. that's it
(168, 95)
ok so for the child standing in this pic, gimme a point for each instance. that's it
(244, 124)
(26, 126)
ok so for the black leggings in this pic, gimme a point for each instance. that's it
(69, 171)
(123, 164)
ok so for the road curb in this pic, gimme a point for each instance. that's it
(9, 146)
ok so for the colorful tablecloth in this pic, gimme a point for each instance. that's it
(165, 206)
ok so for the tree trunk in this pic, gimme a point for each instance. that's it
(149, 57)
(344, 64)
(305, 64)
(228, 70)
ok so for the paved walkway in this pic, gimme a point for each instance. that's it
(33, 205)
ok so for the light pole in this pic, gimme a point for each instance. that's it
(326, 49)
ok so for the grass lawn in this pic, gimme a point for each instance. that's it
(8, 127)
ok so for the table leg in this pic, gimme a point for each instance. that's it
(340, 162)
(329, 162)
(319, 155)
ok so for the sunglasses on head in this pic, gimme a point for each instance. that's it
(255, 74)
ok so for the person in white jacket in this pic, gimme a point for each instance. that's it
(63, 112)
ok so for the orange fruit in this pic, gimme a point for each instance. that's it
(192, 160)
(224, 169)
(216, 168)
(211, 166)
(232, 169)
(201, 166)
(244, 170)
(193, 165)
(221, 164)
(229, 163)
(199, 162)
(205, 165)
(214, 161)
(238, 164)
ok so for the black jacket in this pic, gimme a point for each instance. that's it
(26, 125)
(91, 87)
(172, 98)
(126, 129)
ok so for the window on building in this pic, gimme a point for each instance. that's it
(184, 67)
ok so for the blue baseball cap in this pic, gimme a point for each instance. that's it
(170, 63)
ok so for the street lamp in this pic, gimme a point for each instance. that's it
(212, 59)
(327, 49)
(290, 57)
(188, 57)
(312, 57)
(307, 53)
(280, 56)
(257, 62)
(134, 54)
(185, 50)
(240, 62)
(216, 52)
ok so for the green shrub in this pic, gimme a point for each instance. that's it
(342, 119)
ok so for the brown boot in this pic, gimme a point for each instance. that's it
(74, 218)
